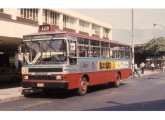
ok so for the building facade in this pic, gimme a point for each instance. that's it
(15, 23)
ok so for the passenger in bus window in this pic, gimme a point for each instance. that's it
(82, 53)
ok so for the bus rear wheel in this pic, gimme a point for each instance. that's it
(82, 87)
(117, 81)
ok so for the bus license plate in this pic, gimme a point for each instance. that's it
(40, 84)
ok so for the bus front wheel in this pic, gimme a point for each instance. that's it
(82, 87)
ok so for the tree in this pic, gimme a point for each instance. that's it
(156, 46)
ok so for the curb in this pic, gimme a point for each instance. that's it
(11, 98)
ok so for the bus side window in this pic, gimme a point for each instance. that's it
(83, 51)
(83, 47)
(114, 50)
(127, 52)
(72, 61)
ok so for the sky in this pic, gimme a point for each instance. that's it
(121, 21)
(122, 18)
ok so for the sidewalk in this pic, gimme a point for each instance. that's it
(148, 72)
(15, 93)
(10, 94)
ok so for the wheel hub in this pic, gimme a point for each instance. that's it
(83, 86)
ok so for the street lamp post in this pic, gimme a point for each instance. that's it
(155, 24)
(133, 60)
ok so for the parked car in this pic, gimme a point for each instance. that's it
(8, 74)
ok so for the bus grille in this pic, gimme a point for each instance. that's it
(45, 70)
(42, 77)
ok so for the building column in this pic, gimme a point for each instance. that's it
(101, 32)
(61, 21)
(77, 25)
(14, 13)
(110, 34)
(40, 16)
(90, 29)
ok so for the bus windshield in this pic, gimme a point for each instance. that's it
(45, 52)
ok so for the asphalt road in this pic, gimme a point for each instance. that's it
(135, 94)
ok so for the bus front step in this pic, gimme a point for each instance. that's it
(31, 91)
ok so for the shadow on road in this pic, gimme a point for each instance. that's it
(158, 105)
(96, 88)
(9, 84)
(63, 94)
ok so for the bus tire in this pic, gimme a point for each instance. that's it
(46, 91)
(110, 84)
(25, 93)
(117, 81)
(82, 90)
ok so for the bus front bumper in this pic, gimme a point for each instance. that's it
(37, 84)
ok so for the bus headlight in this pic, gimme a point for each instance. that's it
(26, 77)
(25, 70)
(58, 77)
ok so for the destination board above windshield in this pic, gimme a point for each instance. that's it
(45, 36)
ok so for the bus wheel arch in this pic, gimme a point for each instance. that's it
(87, 77)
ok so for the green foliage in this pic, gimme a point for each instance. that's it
(156, 46)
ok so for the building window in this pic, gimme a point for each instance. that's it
(51, 17)
(1, 10)
(105, 33)
(31, 14)
(68, 22)
(96, 30)
(84, 26)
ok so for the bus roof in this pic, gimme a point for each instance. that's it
(53, 31)
(95, 38)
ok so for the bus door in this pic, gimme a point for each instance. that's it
(73, 61)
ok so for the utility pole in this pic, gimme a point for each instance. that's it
(133, 60)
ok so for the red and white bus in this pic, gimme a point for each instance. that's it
(54, 59)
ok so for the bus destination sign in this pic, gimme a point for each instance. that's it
(44, 28)
(42, 36)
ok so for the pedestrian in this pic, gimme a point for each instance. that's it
(158, 66)
(142, 67)
(135, 70)
(163, 68)
(153, 66)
